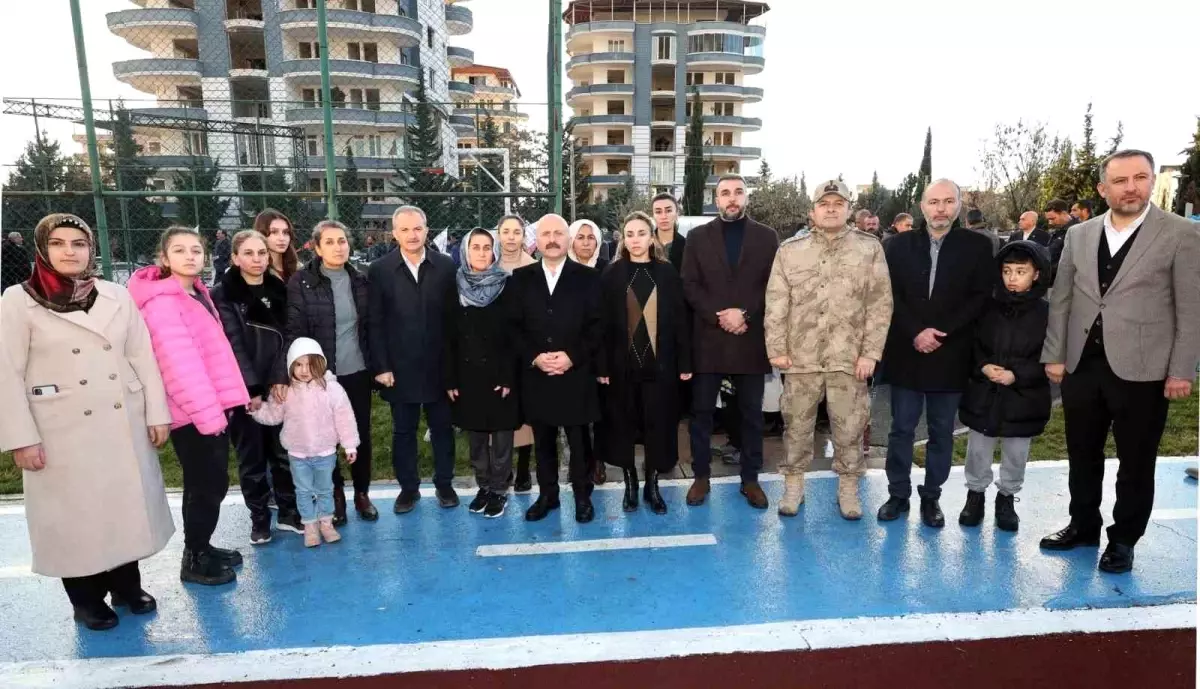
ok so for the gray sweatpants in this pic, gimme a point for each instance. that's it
(492, 459)
(1014, 453)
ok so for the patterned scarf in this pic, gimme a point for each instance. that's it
(479, 287)
(51, 288)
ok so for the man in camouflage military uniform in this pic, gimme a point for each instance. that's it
(829, 303)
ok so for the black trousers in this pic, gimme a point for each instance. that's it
(205, 463)
(125, 581)
(645, 423)
(545, 444)
(1095, 400)
(258, 452)
(358, 389)
(749, 401)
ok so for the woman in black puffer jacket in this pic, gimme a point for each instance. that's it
(252, 305)
(1007, 400)
(327, 301)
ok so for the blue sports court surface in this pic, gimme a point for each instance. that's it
(448, 589)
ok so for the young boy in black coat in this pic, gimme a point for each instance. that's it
(1008, 396)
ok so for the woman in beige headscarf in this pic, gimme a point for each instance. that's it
(584, 244)
(511, 234)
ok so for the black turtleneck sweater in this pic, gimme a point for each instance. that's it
(733, 232)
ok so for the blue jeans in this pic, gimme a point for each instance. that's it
(313, 477)
(939, 408)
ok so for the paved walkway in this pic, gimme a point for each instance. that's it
(445, 589)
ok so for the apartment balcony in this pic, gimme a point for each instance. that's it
(178, 112)
(355, 116)
(599, 90)
(496, 89)
(734, 121)
(464, 125)
(606, 150)
(361, 162)
(735, 152)
(608, 180)
(481, 113)
(459, 20)
(154, 28)
(599, 59)
(309, 71)
(149, 74)
(746, 94)
(406, 31)
(460, 57)
(461, 90)
(585, 28)
(175, 162)
(727, 27)
(749, 64)
(599, 120)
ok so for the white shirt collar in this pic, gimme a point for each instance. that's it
(552, 277)
(1108, 226)
(414, 268)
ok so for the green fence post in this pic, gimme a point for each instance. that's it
(554, 126)
(331, 210)
(85, 91)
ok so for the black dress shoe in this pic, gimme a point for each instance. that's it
(931, 513)
(406, 501)
(96, 617)
(972, 512)
(1117, 559)
(447, 497)
(584, 512)
(629, 503)
(892, 509)
(1070, 538)
(230, 557)
(540, 508)
(652, 495)
(205, 567)
(140, 604)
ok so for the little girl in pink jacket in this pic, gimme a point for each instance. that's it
(316, 417)
(203, 381)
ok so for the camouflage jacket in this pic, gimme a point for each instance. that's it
(829, 301)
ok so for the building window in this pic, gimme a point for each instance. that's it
(616, 107)
(374, 145)
(662, 170)
(618, 167)
(315, 184)
(616, 76)
(153, 148)
(376, 185)
(616, 46)
(724, 78)
(313, 145)
(665, 48)
(158, 184)
(429, 35)
(354, 51)
(370, 52)
(195, 143)
(356, 98)
(306, 4)
(309, 51)
(716, 43)
(616, 137)
(477, 80)
(695, 78)
(311, 97)
(372, 99)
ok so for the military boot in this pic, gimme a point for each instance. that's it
(847, 496)
(793, 495)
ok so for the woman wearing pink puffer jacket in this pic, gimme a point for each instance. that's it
(203, 381)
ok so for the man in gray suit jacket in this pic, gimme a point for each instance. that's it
(1123, 340)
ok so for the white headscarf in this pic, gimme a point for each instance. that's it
(574, 230)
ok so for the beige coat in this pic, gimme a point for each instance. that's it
(99, 502)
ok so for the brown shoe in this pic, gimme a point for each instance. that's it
(339, 506)
(698, 493)
(362, 505)
(600, 475)
(754, 494)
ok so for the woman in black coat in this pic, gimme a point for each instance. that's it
(646, 351)
(327, 301)
(480, 367)
(1007, 400)
(252, 303)
(583, 247)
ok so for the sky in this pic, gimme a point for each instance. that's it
(850, 87)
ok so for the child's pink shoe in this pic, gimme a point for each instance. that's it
(312, 535)
(329, 533)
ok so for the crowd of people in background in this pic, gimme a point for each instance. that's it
(609, 343)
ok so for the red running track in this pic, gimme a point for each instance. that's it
(1139, 660)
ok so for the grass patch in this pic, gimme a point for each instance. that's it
(381, 466)
(1179, 438)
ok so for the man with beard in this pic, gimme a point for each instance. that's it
(941, 279)
(556, 330)
(1123, 341)
(725, 270)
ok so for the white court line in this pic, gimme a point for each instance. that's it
(567, 649)
(390, 490)
(598, 544)
(1169, 515)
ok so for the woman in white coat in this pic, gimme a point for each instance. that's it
(84, 409)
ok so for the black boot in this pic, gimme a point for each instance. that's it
(339, 506)
(96, 616)
(230, 557)
(204, 567)
(1006, 513)
(523, 483)
(141, 603)
(931, 513)
(972, 512)
(630, 502)
(653, 498)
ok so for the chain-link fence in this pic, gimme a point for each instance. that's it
(316, 108)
